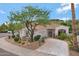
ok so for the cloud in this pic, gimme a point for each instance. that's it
(64, 18)
(2, 12)
(65, 8)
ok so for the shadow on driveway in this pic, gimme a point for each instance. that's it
(5, 53)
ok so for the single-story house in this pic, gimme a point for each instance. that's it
(47, 31)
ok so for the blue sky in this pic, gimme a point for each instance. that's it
(57, 10)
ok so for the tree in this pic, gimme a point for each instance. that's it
(11, 28)
(75, 44)
(30, 17)
(68, 23)
(18, 27)
(3, 28)
(14, 27)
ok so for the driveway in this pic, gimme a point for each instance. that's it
(6, 53)
(20, 51)
(4, 34)
(2, 51)
(50, 48)
(55, 47)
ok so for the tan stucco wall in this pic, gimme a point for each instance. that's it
(43, 32)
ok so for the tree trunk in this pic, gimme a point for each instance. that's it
(75, 44)
(31, 35)
(19, 34)
(13, 34)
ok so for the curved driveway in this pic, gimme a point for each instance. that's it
(20, 51)
(2, 51)
(50, 48)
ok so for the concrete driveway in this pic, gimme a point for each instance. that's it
(52, 47)
(4, 34)
(6, 53)
(2, 51)
(55, 47)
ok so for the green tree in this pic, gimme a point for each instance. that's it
(3, 28)
(14, 27)
(18, 27)
(11, 27)
(30, 17)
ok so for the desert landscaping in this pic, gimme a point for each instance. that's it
(31, 32)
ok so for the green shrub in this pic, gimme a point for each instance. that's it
(16, 39)
(62, 36)
(43, 39)
(70, 41)
(75, 49)
(13, 36)
(17, 35)
(37, 37)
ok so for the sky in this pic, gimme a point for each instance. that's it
(57, 10)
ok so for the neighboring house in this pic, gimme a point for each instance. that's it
(47, 31)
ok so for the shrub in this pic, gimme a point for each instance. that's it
(37, 37)
(75, 49)
(16, 39)
(43, 39)
(17, 35)
(13, 36)
(70, 41)
(62, 36)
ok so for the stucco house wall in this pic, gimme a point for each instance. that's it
(43, 31)
(23, 32)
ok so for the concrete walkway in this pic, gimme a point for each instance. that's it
(19, 50)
